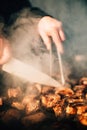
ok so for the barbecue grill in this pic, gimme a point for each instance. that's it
(35, 106)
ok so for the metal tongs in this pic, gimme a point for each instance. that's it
(60, 65)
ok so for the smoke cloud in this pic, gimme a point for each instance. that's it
(73, 14)
(27, 45)
(29, 48)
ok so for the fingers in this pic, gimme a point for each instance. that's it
(46, 40)
(51, 29)
(59, 28)
(57, 40)
(62, 35)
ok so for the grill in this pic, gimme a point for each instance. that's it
(35, 106)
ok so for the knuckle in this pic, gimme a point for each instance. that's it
(56, 25)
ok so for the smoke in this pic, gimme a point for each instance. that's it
(26, 43)
(73, 14)
(29, 48)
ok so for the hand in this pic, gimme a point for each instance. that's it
(5, 51)
(50, 28)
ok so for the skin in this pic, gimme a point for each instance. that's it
(48, 28)
(5, 51)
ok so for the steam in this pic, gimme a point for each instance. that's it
(29, 48)
(73, 14)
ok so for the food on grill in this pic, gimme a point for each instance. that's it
(17, 105)
(83, 81)
(66, 92)
(58, 110)
(32, 119)
(1, 102)
(70, 110)
(35, 103)
(31, 104)
(50, 100)
(14, 92)
(83, 118)
(10, 116)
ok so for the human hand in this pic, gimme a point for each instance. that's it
(5, 51)
(50, 28)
